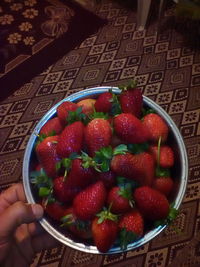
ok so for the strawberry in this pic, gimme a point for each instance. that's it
(37, 167)
(55, 210)
(120, 199)
(75, 178)
(139, 167)
(131, 225)
(87, 105)
(52, 127)
(104, 230)
(116, 141)
(108, 178)
(63, 110)
(90, 201)
(130, 129)
(46, 152)
(156, 126)
(64, 189)
(104, 102)
(163, 185)
(81, 229)
(166, 158)
(71, 139)
(151, 203)
(131, 101)
(81, 176)
(98, 134)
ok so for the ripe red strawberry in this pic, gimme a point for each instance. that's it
(81, 229)
(55, 210)
(71, 139)
(151, 203)
(98, 134)
(37, 167)
(130, 129)
(104, 230)
(108, 178)
(120, 198)
(166, 159)
(81, 176)
(104, 102)
(116, 141)
(163, 185)
(132, 227)
(52, 126)
(75, 178)
(156, 126)
(64, 189)
(90, 201)
(47, 155)
(63, 110)
(131, 101)
(138, 167)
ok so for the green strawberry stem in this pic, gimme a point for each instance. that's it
(42, 136)
(138, 148)
(44, 191)
(40, 179)
(146, 111)
(126, 237)
(44, 185)
(120, 150)
(121, 181)
(116, 106)
(65, 163)
(173, 213)
(127, 192)
(77, 115)
(88, 161)
(49, 199)
(158, 156)
(104, 156)
(130, 85)
(161, 172)
(105, 214)
(67, 220)
(96, 115)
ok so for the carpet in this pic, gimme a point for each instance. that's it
(167, 68)
(35, 34)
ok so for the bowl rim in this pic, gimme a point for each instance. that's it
(79, 96)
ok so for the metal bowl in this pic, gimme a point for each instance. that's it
(180, 172)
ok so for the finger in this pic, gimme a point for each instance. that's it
(35, 229)
(44, 241)
(23, 242)
(17, 214)
(11, 195)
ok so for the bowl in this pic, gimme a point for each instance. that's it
(180, 173)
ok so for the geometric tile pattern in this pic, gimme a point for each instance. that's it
(167, 69)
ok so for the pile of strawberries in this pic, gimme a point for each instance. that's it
(103, 168)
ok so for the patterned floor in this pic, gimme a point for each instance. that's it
(167, 69)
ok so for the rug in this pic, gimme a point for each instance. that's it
(35, 34)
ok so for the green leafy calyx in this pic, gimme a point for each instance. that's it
(126, 237)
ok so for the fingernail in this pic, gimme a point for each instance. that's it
(37, 211)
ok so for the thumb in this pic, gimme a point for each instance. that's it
(17, 214)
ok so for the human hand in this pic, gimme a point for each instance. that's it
(21, 236)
